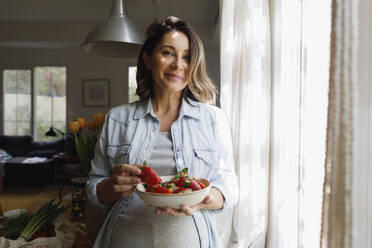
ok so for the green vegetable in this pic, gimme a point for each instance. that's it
(183, 172)
(13, 227)
(187, 184)
(45, 215)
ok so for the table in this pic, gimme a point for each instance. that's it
(25, 171)
(60, 161)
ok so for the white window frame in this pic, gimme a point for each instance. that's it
(33, 100)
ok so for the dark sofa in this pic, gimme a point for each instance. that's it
(19, 170)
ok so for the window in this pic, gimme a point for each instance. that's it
(132, 84)
(17, 102)
(300, 99)
(34, 101)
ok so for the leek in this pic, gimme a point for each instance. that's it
(45, 215)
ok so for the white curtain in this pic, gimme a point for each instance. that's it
(362, 172)
(341, 139)
(245, 97)
(300, 66)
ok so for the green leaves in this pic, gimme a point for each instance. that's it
(85, 145)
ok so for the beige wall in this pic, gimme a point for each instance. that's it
(80, 65)
(47, 44)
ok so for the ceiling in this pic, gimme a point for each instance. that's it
(142, 11)
(38, 23)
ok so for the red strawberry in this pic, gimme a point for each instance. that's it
(175, 181)
(181, 181)
(182, 190)
(164, 190)
(148, 175)
(201, 184)
(195, 186)
(150, 187)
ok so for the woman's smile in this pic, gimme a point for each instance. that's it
(174, 76)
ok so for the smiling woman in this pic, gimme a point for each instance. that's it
(172, 126)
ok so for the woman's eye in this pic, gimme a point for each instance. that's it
(187, 58)
(167, 53)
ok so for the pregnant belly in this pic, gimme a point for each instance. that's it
(139, 226)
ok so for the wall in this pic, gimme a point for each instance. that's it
(80, 65)
(46, 44)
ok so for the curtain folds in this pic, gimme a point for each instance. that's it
(246, 98)
(340, 148)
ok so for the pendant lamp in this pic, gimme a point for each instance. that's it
(116, 37)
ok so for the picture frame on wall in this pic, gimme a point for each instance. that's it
(96, 92)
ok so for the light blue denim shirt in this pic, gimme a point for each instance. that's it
(201, 141)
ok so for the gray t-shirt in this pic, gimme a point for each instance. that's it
(141, 227)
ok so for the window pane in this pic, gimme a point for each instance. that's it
(17, 102)
(314, 99)
(132, 83)
(50, 100)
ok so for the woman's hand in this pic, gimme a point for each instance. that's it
(122, 182)
(214, 200)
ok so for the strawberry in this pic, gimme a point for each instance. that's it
(181, 181)
(150, 187)
(195, 186)
(182, 190)
(148, 175)
(201, 184)
(164, 190)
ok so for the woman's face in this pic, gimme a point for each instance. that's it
(169, 62)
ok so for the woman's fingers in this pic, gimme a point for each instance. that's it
(185, 210)
(121, 188)
(190, 210)
(127, 169)
(126, 180)
(169, 211)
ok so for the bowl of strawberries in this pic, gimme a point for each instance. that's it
(171, 191)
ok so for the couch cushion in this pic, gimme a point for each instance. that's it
(48, 153)
(15, 145)
(47, 145)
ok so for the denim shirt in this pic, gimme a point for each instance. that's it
(201, 141)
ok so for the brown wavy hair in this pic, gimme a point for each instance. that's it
(199, 87)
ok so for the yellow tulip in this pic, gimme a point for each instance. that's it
(91, 125)
(82, 122)
(73, 126)
(98, 120)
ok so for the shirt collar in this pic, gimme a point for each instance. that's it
(190, 108)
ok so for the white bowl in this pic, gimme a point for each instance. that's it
(173, 200)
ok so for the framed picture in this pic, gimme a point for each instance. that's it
(96, 92)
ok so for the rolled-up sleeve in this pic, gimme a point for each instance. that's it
(101, 168)
(224, 177)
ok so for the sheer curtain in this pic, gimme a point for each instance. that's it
(341, 139)
(299, 91)
(278, 117)
(245, 97)
(362, 172)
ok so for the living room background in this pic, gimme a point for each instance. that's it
(52, 38)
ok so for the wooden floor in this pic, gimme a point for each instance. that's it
(30, 198)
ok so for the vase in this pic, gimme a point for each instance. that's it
(79, 197)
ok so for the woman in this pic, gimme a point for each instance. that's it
(171, 127)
